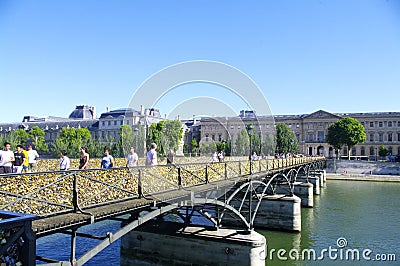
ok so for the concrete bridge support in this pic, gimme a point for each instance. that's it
(166, 243)
(302, 190)
(279, 212)
(314, 181)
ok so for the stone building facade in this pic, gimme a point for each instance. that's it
(381, 128)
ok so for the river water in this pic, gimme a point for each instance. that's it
(348, 218)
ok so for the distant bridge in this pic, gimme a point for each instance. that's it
(66, 200)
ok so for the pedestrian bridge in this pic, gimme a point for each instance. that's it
(63, 201)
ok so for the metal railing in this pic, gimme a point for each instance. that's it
(54, 192)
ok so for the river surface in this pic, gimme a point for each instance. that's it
(348, 218)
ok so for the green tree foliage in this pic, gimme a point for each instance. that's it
(286, 141)
(37, 136)
(126, 140)
(10, 138)
(383, 151)
(71, 139)
(269, 145)
(228, 148)
(347, 131)
(242, 144)
(166, 134)
(208, 148)
(21, 136)
(194, 145)
(139, 140)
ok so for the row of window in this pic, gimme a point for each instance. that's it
(382, 123)
(115, 122)
(372, 151)
(381, 135)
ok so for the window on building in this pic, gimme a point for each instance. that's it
(121, 122)
(103, 123)
(371, 124)
(354, 151)
(310, 137)
(380, 137)
(115, 122)
(380, 124)
(390, 136)
(363, 124)
(390, 124)
(109, 123)
(398, 136)
(371, 151)
(298, 137)
(398, 150)
(345, 150)
(127, 122)
(371, 137)
(297, 125)
(362, 151)
(220, 137)
(213, 137)
(390, 150)
(290, 125)
(321, 136)
(398, 123)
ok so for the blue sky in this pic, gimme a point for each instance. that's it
(340, 56)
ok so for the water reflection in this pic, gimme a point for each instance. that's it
(364, 213)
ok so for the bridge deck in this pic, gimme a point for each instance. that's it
(60, 222)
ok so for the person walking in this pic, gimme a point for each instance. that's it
(151, 158)
(6, 159)
(107, 161)
(25, 165)
(84, 158)
(65, 162)
(19, 160)
(32, 159)
(132, 158)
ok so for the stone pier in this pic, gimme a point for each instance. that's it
(279, 212)
(314, 181)
(169, 243)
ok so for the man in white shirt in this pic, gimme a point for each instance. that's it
(32, 156)
(6, 159)
(132, 158)
(64, 161)
(151, 159)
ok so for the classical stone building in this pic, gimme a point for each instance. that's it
(381, 128)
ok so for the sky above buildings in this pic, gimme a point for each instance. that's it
(339, 56)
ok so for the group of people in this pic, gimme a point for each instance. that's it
(25, 160)
(107, 161)
(22, 160)
(218, 157)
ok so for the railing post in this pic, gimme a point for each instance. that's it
(206, 173)
(179, 177)
(75, 193)
(140, 191)
(240, 168)
(226, 171)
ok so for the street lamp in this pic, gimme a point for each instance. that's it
(250, 133)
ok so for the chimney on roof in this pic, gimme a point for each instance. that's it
(194, 119)
(107, 109)
(141, 109)
(178, 118)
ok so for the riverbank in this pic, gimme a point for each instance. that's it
(360, 177)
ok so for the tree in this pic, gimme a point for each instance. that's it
(242, 143)
(21, 136)
(286, 141)
(126, 140)
(228, 148)
(37, 136)
(347, 131)
(194, 145)
(71, 139)
(269, 145)
(166, 134)
(383, 151)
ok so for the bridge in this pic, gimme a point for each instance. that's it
(63, 201)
